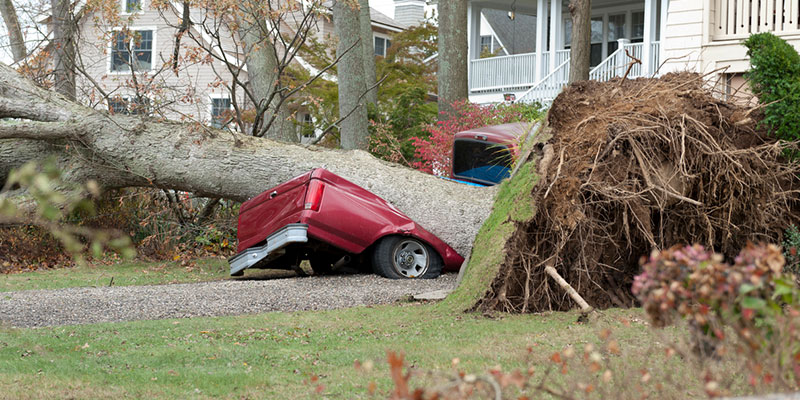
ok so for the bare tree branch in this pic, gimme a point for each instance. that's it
(16, 40)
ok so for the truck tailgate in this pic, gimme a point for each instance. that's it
(271, 210)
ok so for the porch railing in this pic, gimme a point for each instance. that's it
(503, 72)
(655, 58)
(561, 56)
(617, 63)
(546, 62)
(550, 86)
(736, 19)
(614, 65)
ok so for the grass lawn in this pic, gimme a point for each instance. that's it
(312, 354)
(124, 274)
(127, 274)
(275, 355)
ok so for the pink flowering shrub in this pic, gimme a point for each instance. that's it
(753, 299)
(694, 283)
(433, 153)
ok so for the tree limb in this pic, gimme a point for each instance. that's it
(185, 23)
(16, 41)
(37, 130)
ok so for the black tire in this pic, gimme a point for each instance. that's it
(401, 257)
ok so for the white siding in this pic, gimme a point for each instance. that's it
(690, 42)
(185, 96)
(683, 37)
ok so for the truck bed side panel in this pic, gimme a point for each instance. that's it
(353, 218)
(349, 220)
(350, 217)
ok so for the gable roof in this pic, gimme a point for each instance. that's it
(515, 35)
(379, 19)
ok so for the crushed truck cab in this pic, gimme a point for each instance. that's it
(330, 221)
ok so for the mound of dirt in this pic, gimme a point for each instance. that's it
(638, 165)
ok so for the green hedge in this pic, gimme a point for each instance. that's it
(775, 78)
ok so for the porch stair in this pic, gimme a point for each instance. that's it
(615, 65)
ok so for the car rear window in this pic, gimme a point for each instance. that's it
(480, 161)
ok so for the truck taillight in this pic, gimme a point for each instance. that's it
(314, 195)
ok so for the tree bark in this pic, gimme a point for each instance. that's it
(63, 42)
(353, 127)
(365, 22)
(123, 150)
(581, 47)
(16, 41)
(573, 294)
(262, 72)
(453, 54)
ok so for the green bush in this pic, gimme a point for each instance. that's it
(775, 78)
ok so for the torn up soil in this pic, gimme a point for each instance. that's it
(640, 165)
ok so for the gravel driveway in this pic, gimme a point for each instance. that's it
(36, 308)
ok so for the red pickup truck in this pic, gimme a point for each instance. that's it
(329, 221)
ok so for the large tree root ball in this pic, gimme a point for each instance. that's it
(638, 165)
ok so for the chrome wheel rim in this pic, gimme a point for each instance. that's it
(410, 259)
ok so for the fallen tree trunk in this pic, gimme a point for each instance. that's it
(124, 151)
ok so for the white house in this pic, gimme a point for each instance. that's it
(666, 35)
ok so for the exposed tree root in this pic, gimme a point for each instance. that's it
(638, 165)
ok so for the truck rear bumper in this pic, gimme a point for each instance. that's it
(292, 233)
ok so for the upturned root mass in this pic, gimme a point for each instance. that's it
(634, 166)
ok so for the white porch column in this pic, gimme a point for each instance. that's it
(621, 61)
(541, 38)
(555, 31)
(469, 47)
(474, 31)
(650, 12)
(473, 40)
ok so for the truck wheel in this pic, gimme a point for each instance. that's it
(397, 257)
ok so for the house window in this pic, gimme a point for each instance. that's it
(220, 112)
(490, 46)
(132, 50)
(597, 42)
(307, 128)
(381, 45)
(605, 35)
(616, 31)
(596, 56)
(129, 105)
(486, 44)
(132, 6)
(637, 34)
